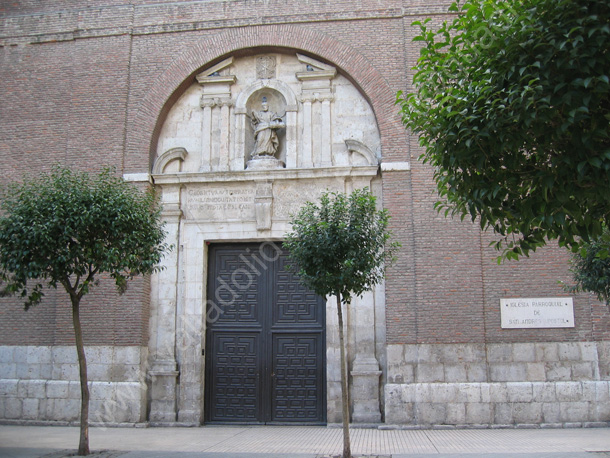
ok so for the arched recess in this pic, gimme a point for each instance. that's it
(144, 130)
(290, 109)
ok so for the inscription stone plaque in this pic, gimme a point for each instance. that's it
(547, 312)
(221, 203)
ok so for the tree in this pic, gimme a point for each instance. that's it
(511, 100)
(65, 229)
(340, 248)
(591, 268)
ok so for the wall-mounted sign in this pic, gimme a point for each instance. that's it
(546, 312)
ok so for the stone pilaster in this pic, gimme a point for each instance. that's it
(163, 372)
(365, 368)
(215, 130)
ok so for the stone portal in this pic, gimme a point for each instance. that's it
(241, 150)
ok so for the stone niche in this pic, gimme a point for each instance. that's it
(246, 145)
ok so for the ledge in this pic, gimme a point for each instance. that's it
(258, 175)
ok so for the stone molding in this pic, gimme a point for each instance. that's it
(174, 154)
(273, 174)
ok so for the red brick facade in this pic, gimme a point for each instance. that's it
(89, 83)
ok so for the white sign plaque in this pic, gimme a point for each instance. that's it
(546, 312)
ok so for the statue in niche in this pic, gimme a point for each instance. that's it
(265, 124)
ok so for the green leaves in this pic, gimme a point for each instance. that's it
(591, 268)
(341, 247)
(513, 112)
(66, 227)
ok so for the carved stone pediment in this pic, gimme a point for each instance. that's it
(315, 69)
(212, 75)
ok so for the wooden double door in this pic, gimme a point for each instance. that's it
(265, 339)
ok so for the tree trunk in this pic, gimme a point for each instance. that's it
(83, 445)
(347, 453)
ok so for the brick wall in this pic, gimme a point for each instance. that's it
(88, 83)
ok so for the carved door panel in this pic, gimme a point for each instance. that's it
(265, 340)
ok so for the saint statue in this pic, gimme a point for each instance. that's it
(265, 125)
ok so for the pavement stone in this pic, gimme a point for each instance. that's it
(303, 442)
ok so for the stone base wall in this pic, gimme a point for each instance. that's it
(552, 383)
(41, 384)
(503, 403)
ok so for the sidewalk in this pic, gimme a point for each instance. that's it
(304, 442)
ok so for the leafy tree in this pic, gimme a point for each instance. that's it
(65, 229)
(591, 268)
(511, 101)
(341, 248)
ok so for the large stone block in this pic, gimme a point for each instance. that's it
(64, 355)
(65, 410)
(527, 412)
(568, 391)
(469, 392)
(98, 372)
(434, 373)
(476, 372)
(479, 413)
(429, 354)
(503, 414)
(583, 370)
(410, 354)
(498, 392)
(514, 372)
(535, 372)
(499, 353)
(524, 352)
(102, 391)
(27, 371)
(8, 388)
(36, 389)
(455, 373)
(519, 392)
(8, 370)
(588, 351)
(13, 408)
(443, 392)
(544, 392)
(39, 355)
(575, 411)
(551, 413)
(569, 351)
(455, 414)
(429, 413)
(600, 411)
(547, 351)
(127, 355)
(6, 354)
(30, 409)
(398, 410)
(558, 371)
(57, 389)
(65, 372)
(589, 391)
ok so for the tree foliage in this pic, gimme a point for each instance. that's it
(341, 248)
(65, 228)
(511, 101)
(591, 268)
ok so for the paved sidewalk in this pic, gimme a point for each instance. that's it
(304, 442)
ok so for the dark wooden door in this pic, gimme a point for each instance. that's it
(265, 340)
